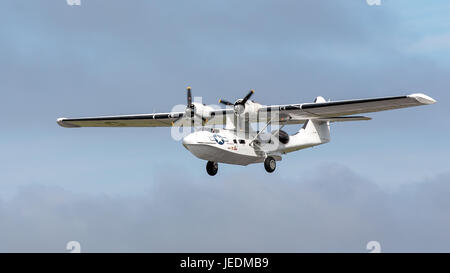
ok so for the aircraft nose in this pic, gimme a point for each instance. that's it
(188, 140)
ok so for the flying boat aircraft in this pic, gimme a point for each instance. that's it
(237, 142)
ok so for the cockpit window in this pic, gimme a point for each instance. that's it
(241, 141)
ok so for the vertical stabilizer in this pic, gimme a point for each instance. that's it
(316, 131)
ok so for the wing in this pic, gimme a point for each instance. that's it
(143, 120)
(177, 119)
(285, 114)
(298, 113)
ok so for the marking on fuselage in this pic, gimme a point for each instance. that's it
(233, 148)
(219, 139)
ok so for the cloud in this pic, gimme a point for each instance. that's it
(337, 210)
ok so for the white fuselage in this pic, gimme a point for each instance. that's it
(225, 146)
(221, 146)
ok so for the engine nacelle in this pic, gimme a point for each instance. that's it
(270, 138)
(202, 110)
(250, 108)
(265, 138)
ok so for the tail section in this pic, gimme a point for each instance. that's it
(317, 131)
(314, 132)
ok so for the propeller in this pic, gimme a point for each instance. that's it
(190, 105)
(239, 105)
(190, 108)
(189, 97)
(245, 99)
(225, 102)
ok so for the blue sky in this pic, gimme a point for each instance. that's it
(117, 57)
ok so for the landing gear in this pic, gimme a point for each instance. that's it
(212, 168)
(270, 164)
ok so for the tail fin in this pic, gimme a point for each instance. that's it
(317, 131)
(314, 132)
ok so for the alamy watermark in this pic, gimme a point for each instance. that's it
(374, 247)
(373, 2)
(73, 247)
(73, 2)
(247, 124)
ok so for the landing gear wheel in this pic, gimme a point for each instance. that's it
(212, 168)
(270, 164)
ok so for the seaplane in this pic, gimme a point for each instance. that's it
(227, 135)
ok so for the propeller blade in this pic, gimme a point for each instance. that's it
(189, 97)
(245, 99)
(225, 102)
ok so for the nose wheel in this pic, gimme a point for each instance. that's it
(270, 164)
(212, 168)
